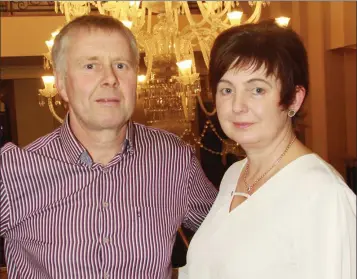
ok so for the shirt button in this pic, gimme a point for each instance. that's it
(106, 240)
(105, 170)
(106, 275)
(105, 204)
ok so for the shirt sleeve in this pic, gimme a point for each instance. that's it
(201, 195)
(327, 237)
(4, 207)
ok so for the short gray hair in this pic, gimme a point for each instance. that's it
(90, 22)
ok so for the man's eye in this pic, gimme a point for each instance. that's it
(121, 66)
(89, 66)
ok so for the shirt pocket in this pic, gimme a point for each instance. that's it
(158, 224)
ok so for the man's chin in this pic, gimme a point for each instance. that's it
(112, 123)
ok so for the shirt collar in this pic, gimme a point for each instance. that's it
(78, 154)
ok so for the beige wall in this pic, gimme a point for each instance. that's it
(331, 104)
(26, 36)
(32, 121)
(350, 101)
(32, 32)
(342, 22)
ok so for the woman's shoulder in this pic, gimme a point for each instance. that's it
(322, 182)
(316, 171)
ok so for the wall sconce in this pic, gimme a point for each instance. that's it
(48, 93)
(47, 56)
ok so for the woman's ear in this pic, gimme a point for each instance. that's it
(300, 94)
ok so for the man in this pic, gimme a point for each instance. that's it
(100, 197)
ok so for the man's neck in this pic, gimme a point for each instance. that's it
(102, 145)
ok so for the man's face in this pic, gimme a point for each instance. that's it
(99, 82)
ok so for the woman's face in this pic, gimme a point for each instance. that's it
(248, 106)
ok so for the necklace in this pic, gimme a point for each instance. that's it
(251, 186)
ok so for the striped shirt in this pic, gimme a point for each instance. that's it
(64, 216)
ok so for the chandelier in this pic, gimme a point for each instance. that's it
(168, 34)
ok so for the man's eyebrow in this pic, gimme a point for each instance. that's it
(90, 58)
(96, 58)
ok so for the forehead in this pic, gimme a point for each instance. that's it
(96, 42)
(247, 72)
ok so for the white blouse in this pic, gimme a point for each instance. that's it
(300, 224)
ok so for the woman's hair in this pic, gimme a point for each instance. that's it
(88, 22)
(251, 46)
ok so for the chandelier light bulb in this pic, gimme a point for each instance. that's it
(127, 23)
(282, 21)
(235, 17)
(49, 44)
(54, 34)
(141, 78)
(48, 80)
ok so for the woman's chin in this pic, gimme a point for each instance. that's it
(245, 141)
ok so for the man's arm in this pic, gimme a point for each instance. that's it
(201, 195)
(4, 203)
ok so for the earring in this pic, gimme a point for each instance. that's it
(291, 113)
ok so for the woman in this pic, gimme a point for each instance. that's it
(283, 212)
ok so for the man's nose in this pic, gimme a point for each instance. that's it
(109, 77)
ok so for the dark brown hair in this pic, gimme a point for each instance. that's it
(251, 46)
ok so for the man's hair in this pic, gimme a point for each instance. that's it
(88, 22)
(280, 50)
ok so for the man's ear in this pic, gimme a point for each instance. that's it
(60, 85)
(300, 94)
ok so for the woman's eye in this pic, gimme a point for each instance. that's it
(226, 91)
(258, 91)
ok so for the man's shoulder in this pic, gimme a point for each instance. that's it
(146, 135)
(36, 146)
(43, 142)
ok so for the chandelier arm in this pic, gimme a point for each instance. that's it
(226, 9)
(205, 52)
(149, 21)
(193, 58)
(99, 6)
(204, 108)
(149, 65)
(52, 110)
(256, 14)
(66, 12)
(176, 21)
(168, 7)
(204, 14)
(142, 15)
(191, 21)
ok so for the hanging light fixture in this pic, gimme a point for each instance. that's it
(168, 34)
